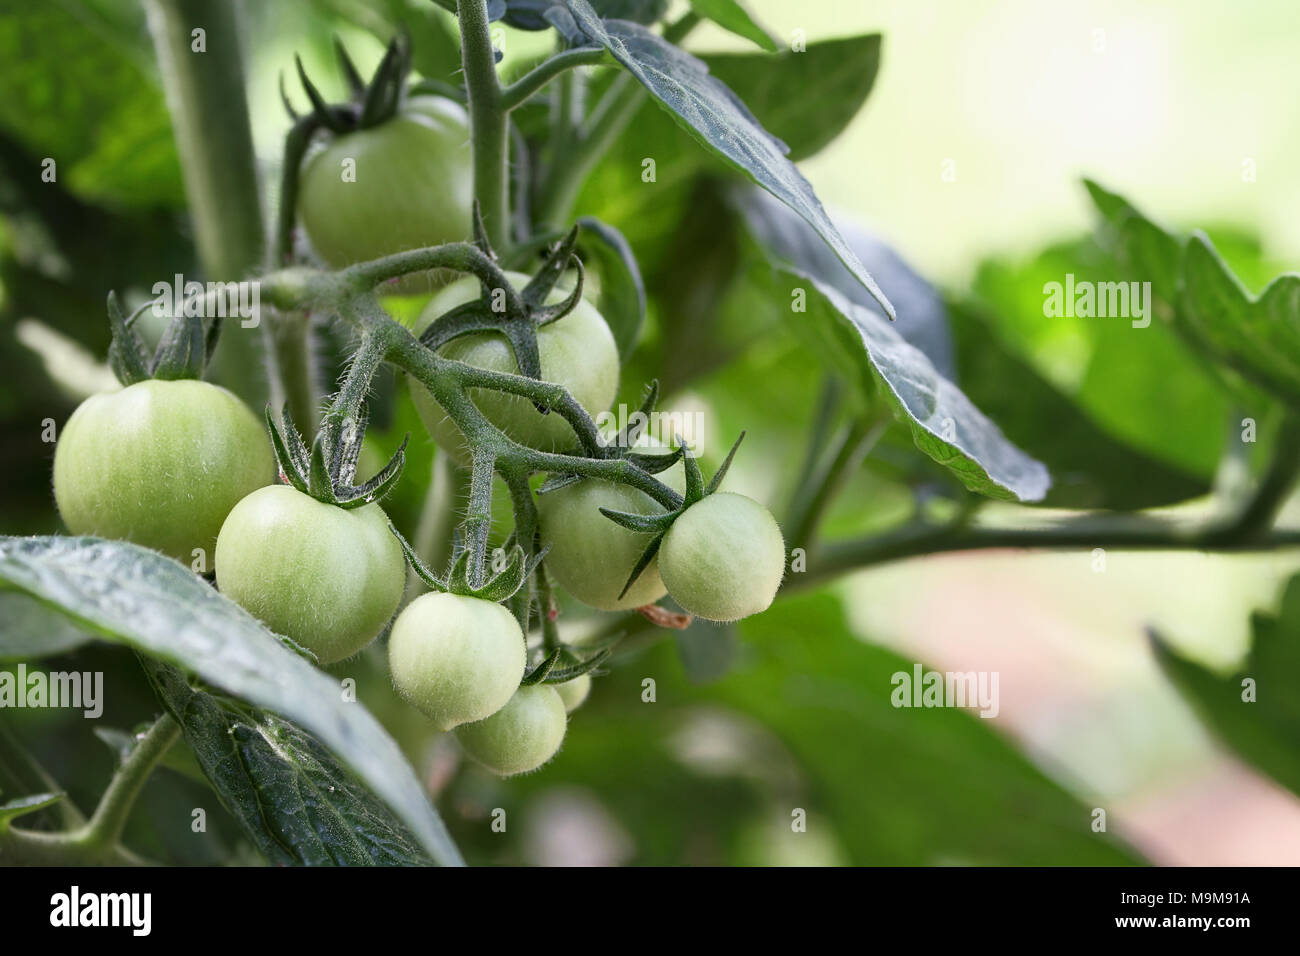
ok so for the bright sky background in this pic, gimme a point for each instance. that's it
(1167, 110)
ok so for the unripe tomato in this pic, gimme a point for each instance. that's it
(457, 659)
(724, 558)
(327, 577)
(591, 556)
(577, 351)
(574, 692)
(160, 463)
(413, 187)
(519, 737)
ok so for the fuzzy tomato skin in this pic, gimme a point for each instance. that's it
(327, 577)
(160, 463)
(519, 737)
(724, 558)
(457, 659)
(577, 351)
(414, 187)
(591, 557)
(574, 692)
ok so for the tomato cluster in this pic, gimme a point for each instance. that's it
(184, 467)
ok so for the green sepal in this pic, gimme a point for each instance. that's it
(181, 350)
(417, 565)
(320, 109)
(126, 354)
(385, 90)
(557, 263)
(546, 314)
(542, 670)
(627, 437)
(566, 674)
(355, 83)
(694, 478)
(722, 469)
(378, 487)
(642, 563)
(642, 524)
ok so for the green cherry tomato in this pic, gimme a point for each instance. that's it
(590, 556)
(327, 577)
(403, 184)
(724, 558)
(577, 351)
(160, 463)
(456, 658)
(519, 737)
(574, 692)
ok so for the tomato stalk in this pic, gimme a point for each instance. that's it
(98, 840)
(488, 121)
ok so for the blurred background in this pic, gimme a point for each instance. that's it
(966, 159)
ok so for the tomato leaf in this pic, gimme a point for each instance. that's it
(731, 16)
(705, 107)
(1263, 729)
(1257, 337)
(133, 596)
(291, 797)
(805, 99)
(622, 291)
(873, 352)
(28, 629)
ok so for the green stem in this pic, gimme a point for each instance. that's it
(293, 376)
(487, 114)
(816, 494)
(214, 140)
(1261, 509)
(608, 120)
(517, 93)
(98, 841)
(615, 110)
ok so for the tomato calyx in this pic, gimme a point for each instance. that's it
(182, 352)
(369, 104)
(514, 314)
(563, 665)
(658, 524)
(328, 470)
(503, 584)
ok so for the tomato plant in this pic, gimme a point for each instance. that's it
(413, 509)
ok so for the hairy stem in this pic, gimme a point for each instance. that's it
(489, 140)
(537, 78)
(98, 840)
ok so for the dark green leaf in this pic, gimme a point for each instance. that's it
(719, 120)
(80, 94)
(730, 15)
(806, 99)
(1257, 337)
(133, 596)
(291, 797)
(29, 629)
(870, 350)
(1090, 467)
(1264, 731)
(622, 291)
